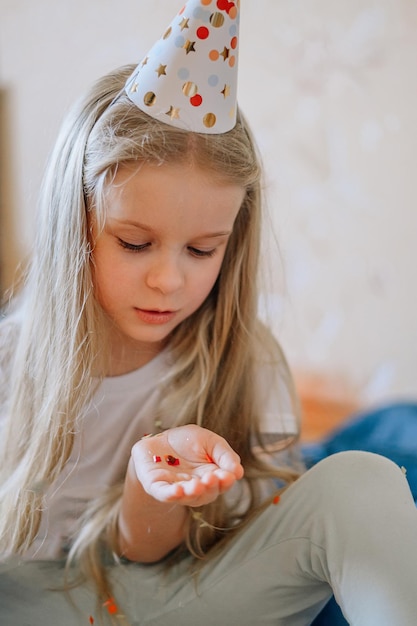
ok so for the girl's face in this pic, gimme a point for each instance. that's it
(159, 254)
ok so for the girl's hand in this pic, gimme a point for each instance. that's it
(188, 465)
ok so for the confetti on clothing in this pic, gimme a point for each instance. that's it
(111, 606)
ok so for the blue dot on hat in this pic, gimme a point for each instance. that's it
(200, 14)
(213, 80)
(179, 41)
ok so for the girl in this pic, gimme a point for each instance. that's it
(149, 420)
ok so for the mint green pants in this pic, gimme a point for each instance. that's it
(347, 527)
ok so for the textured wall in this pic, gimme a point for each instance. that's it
(331, 91)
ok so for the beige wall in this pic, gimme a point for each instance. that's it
(331, 91)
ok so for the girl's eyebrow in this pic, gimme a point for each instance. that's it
(222, 233)
(133, 223)
(144, 227)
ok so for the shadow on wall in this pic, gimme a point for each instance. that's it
(9, 258)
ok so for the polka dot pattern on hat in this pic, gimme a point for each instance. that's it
(189, 77)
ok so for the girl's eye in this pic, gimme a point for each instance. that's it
(132, 246)
(201, 253)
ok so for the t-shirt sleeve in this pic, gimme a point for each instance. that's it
(279, 421)
(275, 401)
(276, 443)
(278, 415)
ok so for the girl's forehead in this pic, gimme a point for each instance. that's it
(174, 194)
(147, 180)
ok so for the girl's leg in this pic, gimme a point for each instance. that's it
(348, 526)
(366, 541)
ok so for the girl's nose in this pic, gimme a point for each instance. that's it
(165, 275)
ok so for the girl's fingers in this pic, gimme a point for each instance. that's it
(193, 491)
(227, 459)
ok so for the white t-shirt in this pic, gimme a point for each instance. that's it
(122, 411)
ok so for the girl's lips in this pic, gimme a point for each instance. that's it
(155, 317)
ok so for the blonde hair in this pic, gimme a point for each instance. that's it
(58, 351)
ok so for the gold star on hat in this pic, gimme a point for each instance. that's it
(188, 79)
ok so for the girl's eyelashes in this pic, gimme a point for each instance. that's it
(133, 247)
(201, 253)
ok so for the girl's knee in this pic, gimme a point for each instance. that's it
(357, 464)
(363, 477)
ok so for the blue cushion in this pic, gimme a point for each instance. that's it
(331, 615)
(389, 430)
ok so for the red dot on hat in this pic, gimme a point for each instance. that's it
(233, 43)
(222, 5)
(203, 32)
(196, 100)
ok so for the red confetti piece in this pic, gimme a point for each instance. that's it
(276, 499)
(156, 458)
(171, 460)
(111, 606)
(91, 619)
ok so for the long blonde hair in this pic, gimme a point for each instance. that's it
(216, 349)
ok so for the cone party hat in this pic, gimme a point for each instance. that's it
(189, 77)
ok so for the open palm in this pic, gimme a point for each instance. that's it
(189, 465)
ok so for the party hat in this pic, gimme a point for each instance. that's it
(189, 77)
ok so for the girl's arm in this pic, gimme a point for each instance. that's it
(181, 467)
